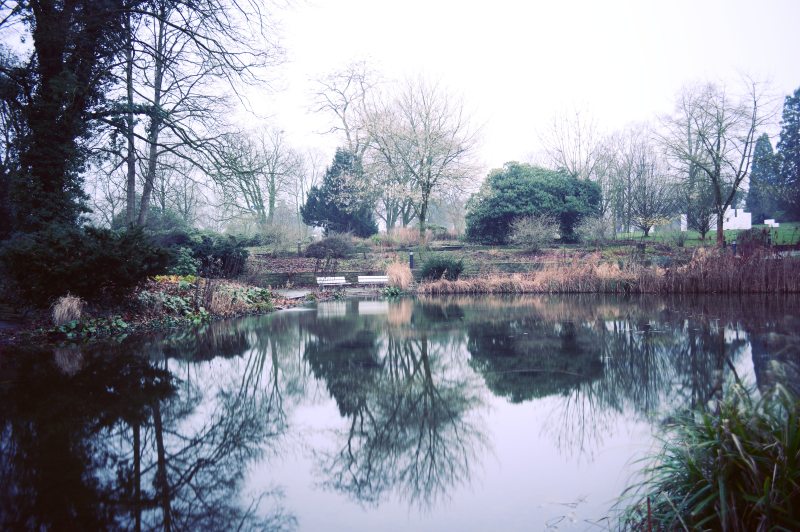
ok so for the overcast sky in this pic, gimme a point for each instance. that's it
(516, 63)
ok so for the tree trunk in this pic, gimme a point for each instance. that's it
(423, 210)
(156, 120)
(720, 230)
(137, 477)
(162, 480)
(423, 213)
(273, 192)
(130, 203)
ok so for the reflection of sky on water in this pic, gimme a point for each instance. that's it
(461, 413)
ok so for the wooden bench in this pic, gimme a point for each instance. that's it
(331, 281)
(373, 279)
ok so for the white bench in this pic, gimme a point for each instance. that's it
(331, 281)
(373, 279)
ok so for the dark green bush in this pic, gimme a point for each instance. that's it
(212, 254)
(335, 246)
(219, 255)
(91, 263)
(437, 266)
(518, 190)
(184, 263)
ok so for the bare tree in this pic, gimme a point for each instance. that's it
(238, 176)
(714, 133)
(423, 135)
(573, 143)
(344, 94)
(347, 94)
(310, 171)
(653, 193)
(253, 170)
(177, 56)
(399, 198)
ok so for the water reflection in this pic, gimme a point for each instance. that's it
(165, 431)
(94, 440)
(409, 425)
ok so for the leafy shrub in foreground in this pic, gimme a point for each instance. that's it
(437, 266)
(89, 263)
(335, 246)
(735, 469)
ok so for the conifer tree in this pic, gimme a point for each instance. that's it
(789, 154)
(762, 196)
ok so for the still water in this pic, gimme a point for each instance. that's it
(431, 414)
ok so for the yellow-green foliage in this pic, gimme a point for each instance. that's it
(170, 279)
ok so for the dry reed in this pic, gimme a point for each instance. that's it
(708, 272)
(399, 275)
(68, 308)
(403, 237)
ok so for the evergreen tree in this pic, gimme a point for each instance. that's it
(60, 89)
(789, 156)
(339, 205)
(518, 190)
(762, 196)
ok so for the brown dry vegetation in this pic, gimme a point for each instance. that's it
(68, 308)
(399, 275)
(709, 272)
(402, 237)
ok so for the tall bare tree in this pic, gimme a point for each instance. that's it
(424, 134)
(344, 93)
(653, 196)
(179, 54)
(714, 132)
(253, 170)
(573, 143)
(310, 172)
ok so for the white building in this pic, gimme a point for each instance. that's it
(732, 219)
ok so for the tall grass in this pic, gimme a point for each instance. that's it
(708, 272)
(66, 309)
(402, 237)
(399, 275)
(734, 469)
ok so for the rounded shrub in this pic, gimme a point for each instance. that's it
(594, 231)
(334, 246)
(532, 233)
(436, 267)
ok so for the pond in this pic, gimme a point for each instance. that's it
(525, 413)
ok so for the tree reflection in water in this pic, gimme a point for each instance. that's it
(159, 432)
(102, 438)
(412, 425)
(605, 357)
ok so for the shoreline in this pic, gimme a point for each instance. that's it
(172, 302)
(39, 328)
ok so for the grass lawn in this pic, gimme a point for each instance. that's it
(787, 233)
